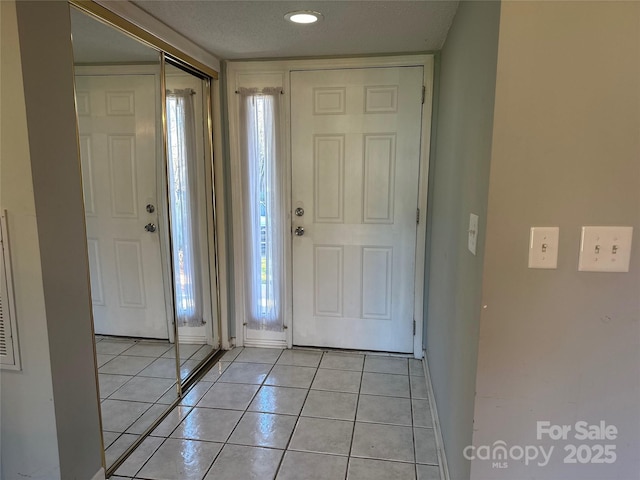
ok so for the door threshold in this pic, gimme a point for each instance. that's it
(346, 350)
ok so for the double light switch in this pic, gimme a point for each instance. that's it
(602, 249)
(605, 249)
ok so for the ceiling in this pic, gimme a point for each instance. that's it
(256, 29)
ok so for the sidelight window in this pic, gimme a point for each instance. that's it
(263, 202)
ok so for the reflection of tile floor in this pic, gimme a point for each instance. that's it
(296, 414)
(137, 383)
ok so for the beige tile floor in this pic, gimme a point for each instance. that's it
(137, 381)
(296, 414)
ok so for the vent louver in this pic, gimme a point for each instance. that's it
(3, 334)
(9, 358)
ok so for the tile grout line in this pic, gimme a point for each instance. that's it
(191, 407)
(298, 416)
(217, 455)
(166, 438)
(147, 460)
(151, 405)
(410, 398)
(413, 429)
(137, 375)
(286, 449)
(225, 443)
(355, 417)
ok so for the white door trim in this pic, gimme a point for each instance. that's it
(218, 229)
(239, 71)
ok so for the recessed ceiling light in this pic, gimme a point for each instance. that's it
(303, 16)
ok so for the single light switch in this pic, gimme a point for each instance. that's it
(605, 249)
(473, 233)
(543, 247)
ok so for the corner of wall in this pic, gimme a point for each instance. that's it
(27, 426)
(225, 158)
(59, 215)
(459, 186)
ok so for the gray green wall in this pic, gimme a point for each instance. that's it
(460, 175)
(50, 421)
(562, 345)
(28, 432)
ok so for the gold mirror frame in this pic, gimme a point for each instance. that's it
(175, 56)
(105, 15)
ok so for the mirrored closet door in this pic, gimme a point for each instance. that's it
(145, 147)
(189, 175)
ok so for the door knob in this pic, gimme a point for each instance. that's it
(150, 227)
(151, 208)
(299, 212)
(299, 231)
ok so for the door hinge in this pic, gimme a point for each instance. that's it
(424, 92)
(417, 216)
(414, 328)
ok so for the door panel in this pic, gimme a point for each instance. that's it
(117, 116)
(355, 139)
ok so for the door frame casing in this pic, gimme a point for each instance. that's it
(205, 208)
(239, 71)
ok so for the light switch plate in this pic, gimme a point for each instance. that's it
(605, 249)
(543, 247)
(473, 233)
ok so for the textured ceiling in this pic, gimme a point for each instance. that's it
(256, 29)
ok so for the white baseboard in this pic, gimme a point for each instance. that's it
(442, 457)
(192, 339)
(264, 343)
(264, 338)
(99, 475)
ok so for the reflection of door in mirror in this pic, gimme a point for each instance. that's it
(119, 164)
(186, 107)
(119, 108)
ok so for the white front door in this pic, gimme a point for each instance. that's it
(117, 117)
(355, 136)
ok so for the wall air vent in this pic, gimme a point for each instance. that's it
(9, 352)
